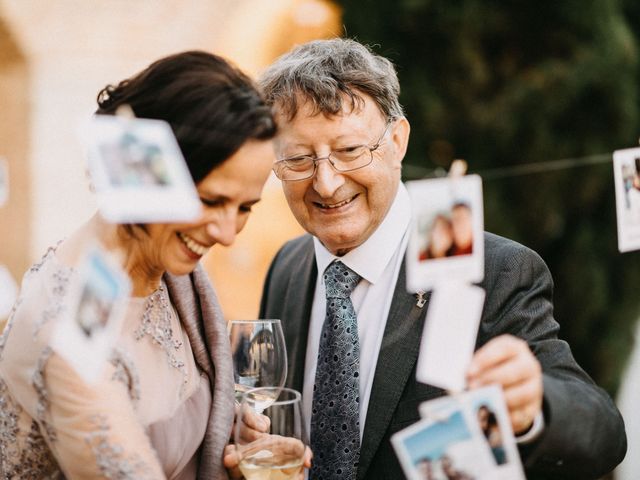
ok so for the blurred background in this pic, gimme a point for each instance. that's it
(502, 84)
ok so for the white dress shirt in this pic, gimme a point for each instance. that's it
(378, 262)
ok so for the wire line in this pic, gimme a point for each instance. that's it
(415, 171)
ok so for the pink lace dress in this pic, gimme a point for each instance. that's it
(145, 418)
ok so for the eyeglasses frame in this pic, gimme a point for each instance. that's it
(372, 148)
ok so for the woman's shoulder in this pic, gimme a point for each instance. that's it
(40, 301)
(47, 281)
(45, 288)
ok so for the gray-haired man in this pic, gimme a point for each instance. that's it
(352, 330)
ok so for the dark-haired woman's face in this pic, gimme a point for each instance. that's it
(227, 193)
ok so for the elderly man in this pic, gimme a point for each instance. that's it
(353, 331)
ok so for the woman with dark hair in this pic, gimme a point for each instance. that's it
(163, 407)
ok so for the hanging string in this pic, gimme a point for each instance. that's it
(415, 171)
(541, 167)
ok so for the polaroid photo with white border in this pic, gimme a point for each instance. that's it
(4, 181)
(449, 335)
(138, 171)
(486, 407)
(96, 306)
(626, 174)
(443, 447)
(8, 292)
(446, 241)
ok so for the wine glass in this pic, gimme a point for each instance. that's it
(259, 355)
(270, 442)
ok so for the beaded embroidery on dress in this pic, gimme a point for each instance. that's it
(156, 323)
(31, 383)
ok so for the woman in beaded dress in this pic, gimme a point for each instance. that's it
(164, 406)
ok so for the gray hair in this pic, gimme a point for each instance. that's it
(324, 72)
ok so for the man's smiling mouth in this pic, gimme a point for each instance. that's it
(330, 206)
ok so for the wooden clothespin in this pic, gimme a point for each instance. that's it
(125, 111)
(458, 168)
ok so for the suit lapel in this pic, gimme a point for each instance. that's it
(397, 357)
(297, 313)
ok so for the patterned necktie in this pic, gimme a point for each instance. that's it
(335, 416)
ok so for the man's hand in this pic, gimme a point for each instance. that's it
(507, 361)
(254, 433)
(232, 460)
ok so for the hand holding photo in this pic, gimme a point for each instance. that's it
(138, 171)
(626, 174)
(4, 182)
(447, 232)
(97, 300)
(449, 335)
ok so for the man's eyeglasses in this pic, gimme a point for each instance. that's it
(345, 159)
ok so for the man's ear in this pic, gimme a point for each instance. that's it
(400, 137)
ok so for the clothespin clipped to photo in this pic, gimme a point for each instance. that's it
(125, 111)
(458, 168)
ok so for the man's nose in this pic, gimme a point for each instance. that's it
(327, 180)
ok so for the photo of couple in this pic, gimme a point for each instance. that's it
(448, 234)
(134, 160)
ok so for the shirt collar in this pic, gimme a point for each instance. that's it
(371, 258)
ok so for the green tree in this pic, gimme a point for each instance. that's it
(508, 83)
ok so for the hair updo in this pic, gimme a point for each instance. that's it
(213, 108)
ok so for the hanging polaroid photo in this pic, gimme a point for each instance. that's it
(4, 181)
(96, 305)
(486, 407)
(626, 175)
(8, 292)
(449, 335)
(443, 447)
(446, 240)
(138, 171)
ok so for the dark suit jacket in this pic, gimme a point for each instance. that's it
(584, 436)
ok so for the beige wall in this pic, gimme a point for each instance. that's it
(63, 52)
(14, 147)
(238, 272)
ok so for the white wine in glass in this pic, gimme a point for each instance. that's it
(278, 452)
(259, 355)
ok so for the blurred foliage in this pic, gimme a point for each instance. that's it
(504, 83)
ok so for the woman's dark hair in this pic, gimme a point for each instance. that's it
(212, 107)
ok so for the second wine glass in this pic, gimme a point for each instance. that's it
(259, 354)
(276, 449)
